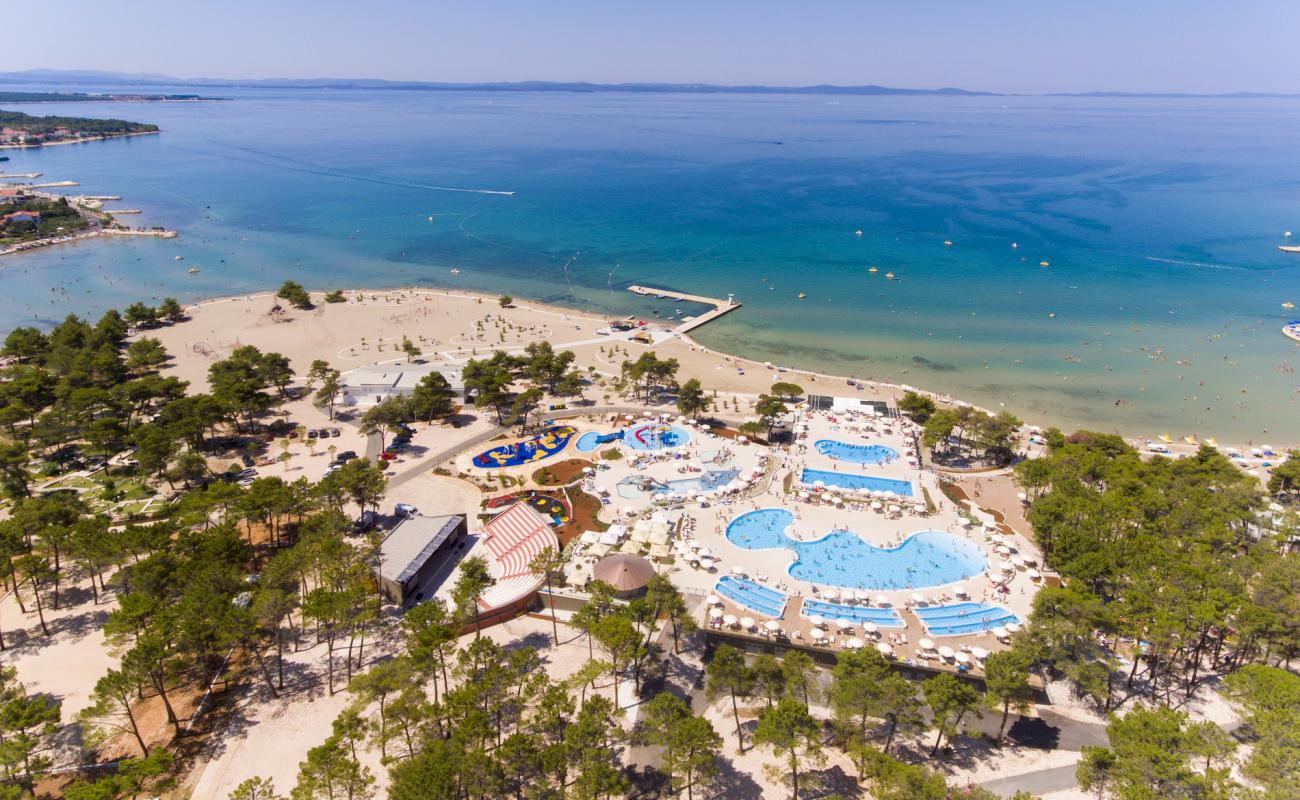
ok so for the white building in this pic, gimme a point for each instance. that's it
(370, 385)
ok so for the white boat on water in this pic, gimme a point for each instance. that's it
(1289, 248)
(1292, 330)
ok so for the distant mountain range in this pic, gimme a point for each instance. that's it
(106, 78)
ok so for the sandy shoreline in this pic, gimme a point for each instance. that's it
(77, 141)
(449, 338)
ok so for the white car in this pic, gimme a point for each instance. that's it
(405, 510)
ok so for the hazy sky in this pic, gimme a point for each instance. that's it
(1002, 45)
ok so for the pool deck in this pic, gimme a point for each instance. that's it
(720, 307)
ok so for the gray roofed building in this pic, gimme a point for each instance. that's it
(372, 384)
(410, 555)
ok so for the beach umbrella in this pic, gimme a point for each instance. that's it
(876, 505)
(843, 623)
(772, 625)
(884, 649)
(712, 600)
(962, 658)
(746, 622)
(706, 564)
(861, 596)
(855, 643)
(819, 484)
(729, 620)
(917, 597)
(1000, 632)
(945, 652)
(979, 652)
(816, 620)
(1034, 574)
(881, 600)
(1012, 627)
(925, 644)
(736, 569)
(703, 552)
(870, 627)
(715, 613)
(817, 633)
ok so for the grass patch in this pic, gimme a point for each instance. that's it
(930, 507)
(612, 454)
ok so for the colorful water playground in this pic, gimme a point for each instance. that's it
(963, 618)
(755, 597)
(880, 617)
(842, 558)
(644, 437)
(542, 446)
(635, 486)
(877, 454)
(856, 483)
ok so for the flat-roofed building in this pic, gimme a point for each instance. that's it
(373, 384)
(412, 554)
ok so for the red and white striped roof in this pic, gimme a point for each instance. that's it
(514, 538)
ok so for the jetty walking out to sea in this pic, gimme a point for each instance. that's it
(720, 307)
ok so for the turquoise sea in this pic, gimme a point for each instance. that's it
(1159, 218)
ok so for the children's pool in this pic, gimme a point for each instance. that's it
(635, 486)
(650, 436)
(961, 618)
(928, 558)
(876, 454)
(857, 483)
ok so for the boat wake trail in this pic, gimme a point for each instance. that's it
(1194, 263)
(294, 165)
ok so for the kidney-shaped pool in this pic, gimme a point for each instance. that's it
(927, 558)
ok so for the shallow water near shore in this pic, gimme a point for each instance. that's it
(1159, 311)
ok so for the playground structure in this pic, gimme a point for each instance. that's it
(542, 446)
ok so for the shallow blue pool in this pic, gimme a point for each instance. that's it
(751, 595)
(591, 440)
(963, 618)
(650, 436)
(928, 558)
(857, 483)
(856, 453)
(881, 617)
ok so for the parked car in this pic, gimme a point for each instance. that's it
(311, 434)
(405, 510)
(367, 521)
(335, 432)
(247, 473)
(345, 456)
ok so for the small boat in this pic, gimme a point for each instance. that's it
(889, 275)
(455, 270)
(947, 243)
(872, 269)
(1052, 315)
(1289, 248)
(1044, 264)
(179, 258)
(802, 295)
(1164, 437)
(1212, 442)
(1288, 304)
(194, 270)
(1191, 439)
(1015, 245)
(858, 233)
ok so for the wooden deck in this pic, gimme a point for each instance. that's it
(720, 307)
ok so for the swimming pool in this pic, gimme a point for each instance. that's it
(927, 558)
(591, 440)
(651, 436)
(877, 454)
(881, 617)
(751, 595)
(962, 618)
(857, 483)
(635, 486)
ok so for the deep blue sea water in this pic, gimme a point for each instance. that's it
(1160, 310)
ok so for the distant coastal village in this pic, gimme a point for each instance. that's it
(20, 130)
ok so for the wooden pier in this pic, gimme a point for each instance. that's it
(720, 307)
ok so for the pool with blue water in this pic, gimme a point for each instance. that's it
(841, 558)
(876, 454)
(652, 436)
(857, 483)
(963, 618)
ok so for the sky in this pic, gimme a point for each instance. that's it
(993, 45)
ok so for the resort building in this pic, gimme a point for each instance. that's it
(373, 384)
(513, 539)
(411, 556)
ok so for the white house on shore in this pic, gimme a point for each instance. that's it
(371, 385)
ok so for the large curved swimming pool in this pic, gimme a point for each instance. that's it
(927, 558)
(876, 454)
(650, 436)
